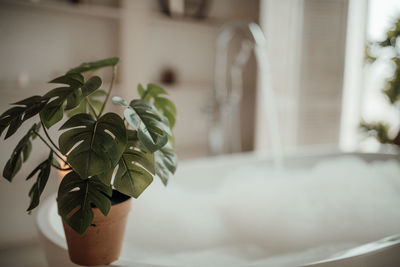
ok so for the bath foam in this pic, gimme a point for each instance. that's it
(256, 216)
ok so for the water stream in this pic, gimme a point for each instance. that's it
(266, 110)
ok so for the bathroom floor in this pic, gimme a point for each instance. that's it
(25, 256)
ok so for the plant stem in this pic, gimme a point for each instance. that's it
(114, 75)
(48, 136)
(47, 144)
(92, 108)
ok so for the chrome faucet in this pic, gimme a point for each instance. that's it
(225, 136)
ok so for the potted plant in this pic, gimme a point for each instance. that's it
(107, 158)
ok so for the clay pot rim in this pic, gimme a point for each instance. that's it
(120, 207)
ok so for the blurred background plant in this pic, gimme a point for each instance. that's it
(386, 50)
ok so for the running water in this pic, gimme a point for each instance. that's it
(229, 100)
(266, 102)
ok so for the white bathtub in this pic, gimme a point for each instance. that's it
(205, 219)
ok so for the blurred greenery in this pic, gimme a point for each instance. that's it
(391, 89)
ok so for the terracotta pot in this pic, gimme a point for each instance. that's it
(102, 242)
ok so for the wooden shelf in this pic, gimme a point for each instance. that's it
(106, 12)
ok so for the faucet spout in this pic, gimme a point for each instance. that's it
(227, 100)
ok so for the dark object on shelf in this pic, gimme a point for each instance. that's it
(197, 9)
(164, 7)
(168, 76)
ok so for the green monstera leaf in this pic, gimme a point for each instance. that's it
(22, 110)
(20, 153)
(72, 94)
(41, 181)
(166, 162)
(134, 168)
(93, 146)
(76, 197)
(92, 66)
(163, 104)
(152, 127)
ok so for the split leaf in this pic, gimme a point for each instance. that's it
(72, 95)
(23, 110)
(41, 181)
(151, 126)
(76, 197)
(134, 168)
(20, 153)
(166, 162)
(93, 147)
(163, 104)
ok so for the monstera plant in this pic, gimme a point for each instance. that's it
(99, 152)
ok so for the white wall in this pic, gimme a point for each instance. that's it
(306, 44)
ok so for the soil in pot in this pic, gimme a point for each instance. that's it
(101, 244)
